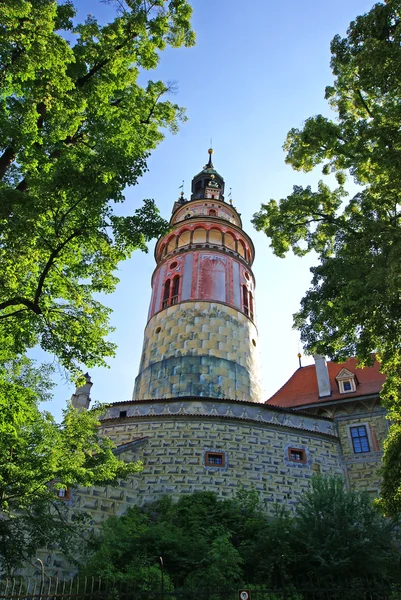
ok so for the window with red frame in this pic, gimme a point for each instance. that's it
(171, 292)
(166, 294)
(247, 302)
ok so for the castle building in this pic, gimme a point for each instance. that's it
(197, 419)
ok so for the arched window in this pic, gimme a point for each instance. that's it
(174, 290)
(229, 241)
(171, 292)
(199, 236)
(171, 245)
(245, 300)
(166, 294)
(212, 212)
(251, 314)
(215, 237)
(241, 249)
(184, 239)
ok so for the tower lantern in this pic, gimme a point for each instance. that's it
(201, 338)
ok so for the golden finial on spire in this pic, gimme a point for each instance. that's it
(210, 164)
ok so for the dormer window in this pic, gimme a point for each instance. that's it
(346, 381)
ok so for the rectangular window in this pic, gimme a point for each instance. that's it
(214, 459)
(347, 386)
(360, 440)
(63, 494)
(297, 455)
(123, 413)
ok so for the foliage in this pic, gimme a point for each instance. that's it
(353, 306)
(76, 129)
(38, 457)
(337, 531)
(210, 543)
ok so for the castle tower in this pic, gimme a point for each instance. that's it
(201, 339)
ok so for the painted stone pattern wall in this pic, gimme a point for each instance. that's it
(171, 438)
(200, 349)
(361, 469)
(173, 453)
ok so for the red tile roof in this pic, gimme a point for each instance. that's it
(301, 388)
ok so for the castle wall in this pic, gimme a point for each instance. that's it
(361, 469)
(199, 349)
(172, 439)
(173, 452)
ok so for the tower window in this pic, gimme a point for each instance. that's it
(250, 305)
(360, 440)
(245, 300)
(174, 291)
(212, 213)
(171, 292)
(166, 294)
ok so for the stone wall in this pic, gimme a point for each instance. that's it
(200, 349)
(361, 469)
(173, 449)
(172, 437)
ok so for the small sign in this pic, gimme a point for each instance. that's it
(244, 594)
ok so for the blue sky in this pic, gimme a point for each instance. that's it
(258, 69)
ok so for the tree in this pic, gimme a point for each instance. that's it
(341, 535)
(209, 543)
(75, 129)
(353, 305)
(198, 537)
(38, 457)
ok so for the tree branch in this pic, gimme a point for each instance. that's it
(54, 254)
(366, 107)
(152, 110)
(6, 316)
(6, 160)
(34, 305)
(20, 300)
(72, 207)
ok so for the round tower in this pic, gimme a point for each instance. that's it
(201, 339)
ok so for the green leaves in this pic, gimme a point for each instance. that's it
(208, 543)
(353, 305)
(303, 221)
(37, 456)
(76, 129)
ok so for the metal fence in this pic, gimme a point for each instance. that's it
(52, 588)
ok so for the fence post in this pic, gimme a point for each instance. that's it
(282, 577)
(162, 582)
(42, 578)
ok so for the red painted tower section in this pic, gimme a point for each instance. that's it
(201, 338)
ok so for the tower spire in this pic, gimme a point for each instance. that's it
(210, 163)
